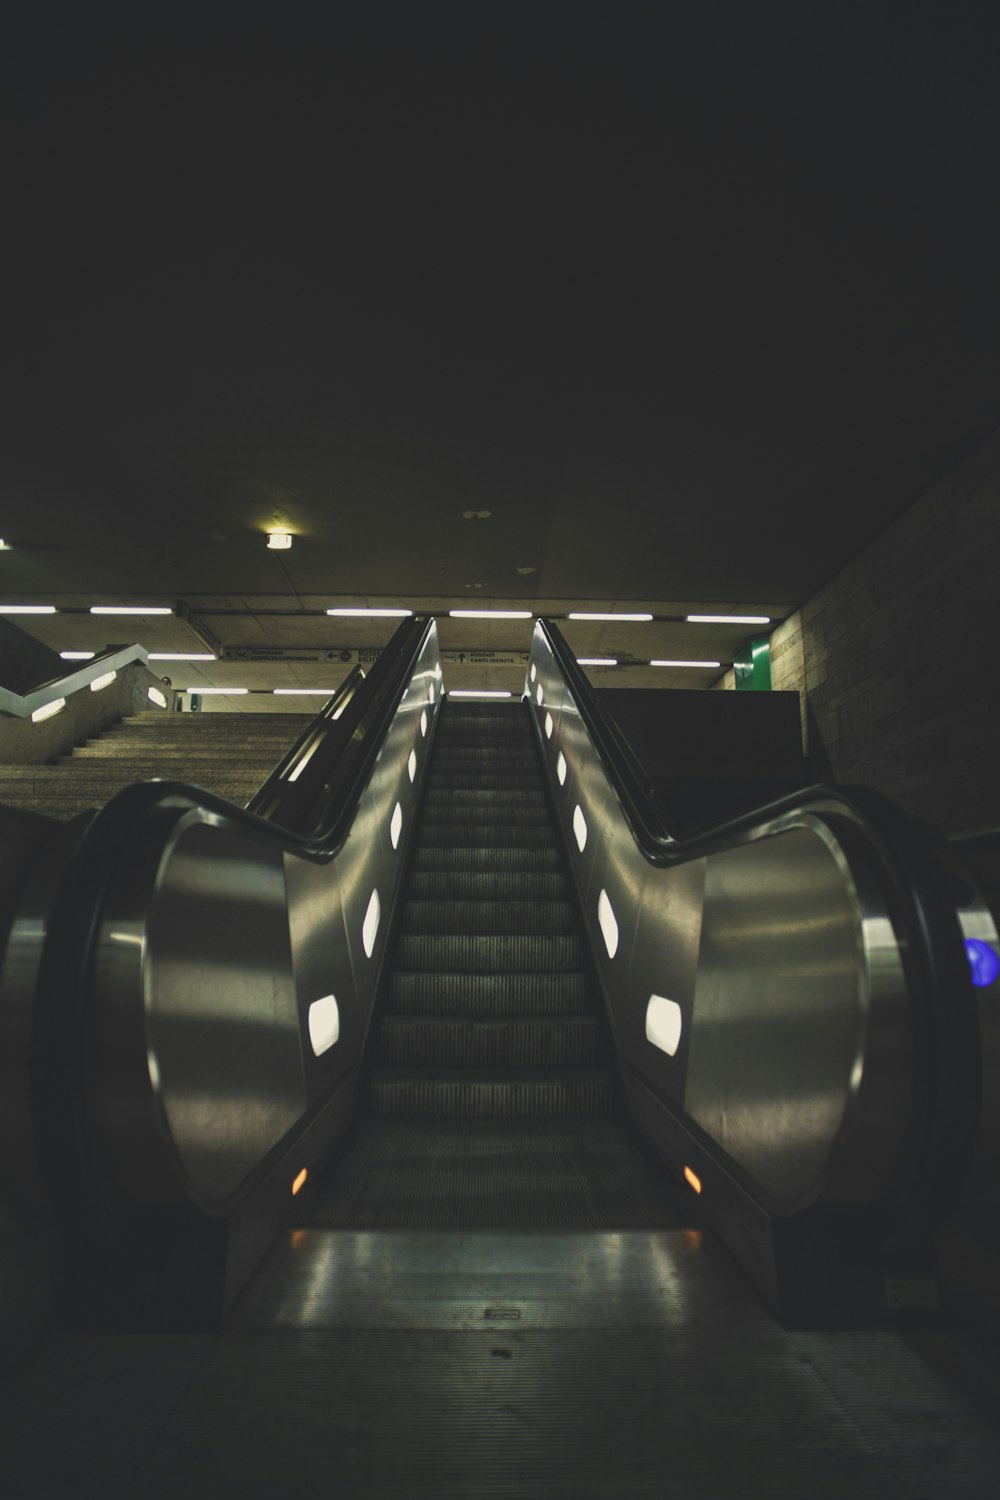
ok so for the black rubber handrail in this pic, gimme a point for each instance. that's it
(265, 801)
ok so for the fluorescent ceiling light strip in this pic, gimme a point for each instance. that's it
(303, 692)
(27, 609)
(215, 690)
(491, 614)
(597, 661)
(580, 614)
(182, 656)
(77, 655)
(359, 611)
(729, 619)
(130, 609)
(477, 693)
(685, 664)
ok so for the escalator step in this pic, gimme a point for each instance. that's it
(486, 835)
(484, 812)
(430, 993)
(459, 954)
(484, 781)
(484, 758)
(510, 1093)
(450, 1042)
(467, 885)
(488, 796)
(484, 918)
(496, 859)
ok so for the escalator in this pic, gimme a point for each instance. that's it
(441, 1125)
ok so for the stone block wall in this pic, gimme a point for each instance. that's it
(896, 659)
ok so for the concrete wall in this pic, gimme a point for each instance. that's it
(23, 743)
(896, 658)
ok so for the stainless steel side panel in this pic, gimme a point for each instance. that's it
(213, 948)
(778, 962)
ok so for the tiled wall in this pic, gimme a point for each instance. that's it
(897, 659)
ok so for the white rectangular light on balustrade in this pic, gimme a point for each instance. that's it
(477, 693)
(729, 619)
(27, 609)
(386, 613)
(105, 680)
(685, 664)
(230, 691)
(581, 614)
(182, 656)
(491, 614)
(48, 710)
(78, 655)
(597, 661)
(130, 609)
(155, 696)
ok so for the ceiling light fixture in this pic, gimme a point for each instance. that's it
(77, 655)
(303, 692)
(491, 614)
(728, 619)
(586, 615)
(366, 611)
(685, 664)
(478, 693)
(279, 541)
(130, 609)
(231, 691)
(27, 609)
(4, 546)
(597, 661)
(182, 656)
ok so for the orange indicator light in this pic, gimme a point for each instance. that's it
(692, 1179)
(299, 1182)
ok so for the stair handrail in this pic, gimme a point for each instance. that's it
(23, 705)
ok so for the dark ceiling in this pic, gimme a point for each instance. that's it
(693, 299)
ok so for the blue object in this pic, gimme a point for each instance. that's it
(983, 962)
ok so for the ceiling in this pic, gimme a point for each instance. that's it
(552, 308)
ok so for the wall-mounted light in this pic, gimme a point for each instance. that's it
(279, 541)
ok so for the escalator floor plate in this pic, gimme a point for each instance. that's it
(491, 1174)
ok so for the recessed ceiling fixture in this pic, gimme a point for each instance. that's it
(303, 692)
(586, 615)
(279, 541)
(231, 691)
(27, 609)
(685, 664)
(597, 661)
(366, 611)
(476, 515)
(729, 619)
(182, 656)
(4, 546)
(130, 609)
(491, 614)
(526, 571)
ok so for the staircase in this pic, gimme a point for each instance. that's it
(490, 1104)
(230, 754)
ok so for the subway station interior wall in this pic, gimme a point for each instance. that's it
(896, 658)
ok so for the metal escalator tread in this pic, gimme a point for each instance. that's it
(510, 1174)
(489, 1105)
